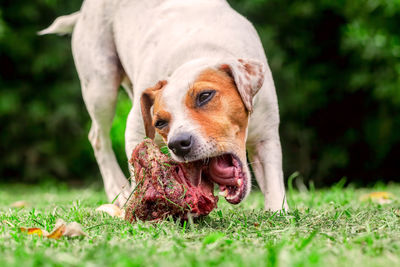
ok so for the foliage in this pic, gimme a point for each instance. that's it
(325, 228)
(337, 73)
(335, 63)
(42, 115)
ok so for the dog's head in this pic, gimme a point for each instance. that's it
(202, 114)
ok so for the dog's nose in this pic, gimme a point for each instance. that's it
(181, 144)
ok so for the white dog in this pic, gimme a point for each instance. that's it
(195, 71)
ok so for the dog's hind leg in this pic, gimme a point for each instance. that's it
(100, 74)
(100, 100)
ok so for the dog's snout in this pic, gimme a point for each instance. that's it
(181, 144)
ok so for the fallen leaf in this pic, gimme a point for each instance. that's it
(74, 229)
(378, 197)
(57, 232)
(60, 229)
(19, 204)
(112, 210)
(34, 231)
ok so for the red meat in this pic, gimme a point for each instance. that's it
(165, 187)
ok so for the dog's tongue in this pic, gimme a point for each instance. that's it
(223, 171)
(226, 171)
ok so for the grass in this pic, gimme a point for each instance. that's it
(329, 227)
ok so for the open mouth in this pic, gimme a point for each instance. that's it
(226, 171)
(165, 187)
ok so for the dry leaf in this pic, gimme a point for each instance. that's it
(57, 232)
(74, 229)
(111, 209)
(19, 204)
(34, 231)
(60, 229)
(378, 197)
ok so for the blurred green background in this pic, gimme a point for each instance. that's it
(336, 68)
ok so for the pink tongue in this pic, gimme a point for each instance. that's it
(222, 171)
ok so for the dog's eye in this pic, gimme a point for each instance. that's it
(204, 97)
(159, 124)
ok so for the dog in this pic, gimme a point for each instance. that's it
(198, 79)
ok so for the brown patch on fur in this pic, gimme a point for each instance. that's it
(149, 96)
(261, 80)
(249, 68)
(224, 119)
(249, 78)
(160, 113)
(226, 68)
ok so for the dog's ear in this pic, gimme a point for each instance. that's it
(146, 102)
(248, 75)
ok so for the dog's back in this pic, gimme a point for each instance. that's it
(179, 31)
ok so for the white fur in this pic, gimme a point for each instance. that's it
(143, 42)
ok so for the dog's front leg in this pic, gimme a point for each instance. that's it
(266, 161)
(134, 132)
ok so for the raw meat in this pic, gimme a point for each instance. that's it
(167, 188)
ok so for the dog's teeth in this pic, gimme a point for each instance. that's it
(239, 183)
(223, 193)
(234, 196)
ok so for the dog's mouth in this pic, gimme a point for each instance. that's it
(226, 171)
(166, 187)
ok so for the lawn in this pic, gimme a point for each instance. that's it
(329, 227)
